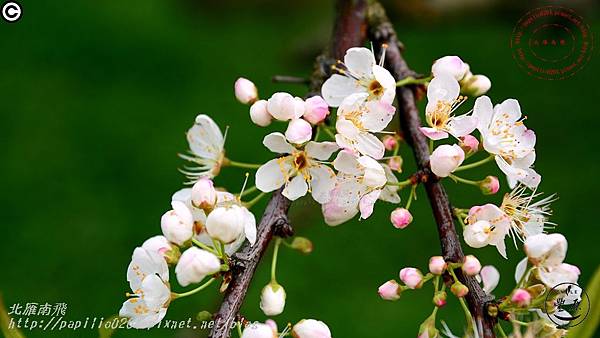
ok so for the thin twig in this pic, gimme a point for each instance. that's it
(382, 32)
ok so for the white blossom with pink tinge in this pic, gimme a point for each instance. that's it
(442, 100)
(359, 74)
(358, 119)
(300, 170)
(505, 136)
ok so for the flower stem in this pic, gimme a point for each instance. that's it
(475, 164)
(411, 196)
(401, 184)
(253, 201)
(329, 132)
(191, 292)
(205, 247)
(241, 164)
(409, 80)
(430, 146)
(274, 261)
(463, 180)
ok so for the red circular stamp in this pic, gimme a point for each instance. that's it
(551, 43)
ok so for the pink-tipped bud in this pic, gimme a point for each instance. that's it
(401, 218)
(489, 185)
(471, 265)
(245, 91)
(459, 289)
(445, 159)
(204, 195)
(469, 144)
(390, 290)
(439, 299)
(315, 110)
(412, 277)
(395, 163)
(521, 298)
(298, 131)
(451, 65)
(389, 142)
(437, 265)
(259, 113)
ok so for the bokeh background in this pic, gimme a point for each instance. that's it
(95, 98)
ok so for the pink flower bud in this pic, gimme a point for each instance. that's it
(469, 144)
(459, 289)
(311, 328)
(395, 163)
(245, 91)
(451, 65)
(413, 278)
(389, 142)
(298, 131)
(401, 218)
(471, 265)
(259, 113)
(315, 110)
(521, 298)
(285, 107)
(439, 299)
(445, 159)
(177, 224)
(204, 195)
(489, 185)
(437, 265)
(389, 290)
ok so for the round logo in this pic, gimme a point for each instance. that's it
(11, 11)
(551, 43)
(571, 305)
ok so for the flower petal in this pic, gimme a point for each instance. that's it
(359, 61)
(459, 126)
(272, 175)
(490, 278)
(338, 87)
(320, 150)
(483, 111)
(370, 145)
(296, 188)
(367, 202)
(277, 143)
(205, 138)
(433, 133)
(443, 88)
(322, 182)
(347, 163)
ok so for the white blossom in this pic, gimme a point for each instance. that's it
(148, 277)
(299, 170)
(547, 253)
(358, 119)
(206, 144)
(359, 74)
(505, 136)
(487, 225)
(442, 100)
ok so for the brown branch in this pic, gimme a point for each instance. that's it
(349, 31)
(382, 32)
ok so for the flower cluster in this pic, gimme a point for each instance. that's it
(337, 149)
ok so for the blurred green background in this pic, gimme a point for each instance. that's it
(95, 100)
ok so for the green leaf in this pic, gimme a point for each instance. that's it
(587, 328)
(5, 321)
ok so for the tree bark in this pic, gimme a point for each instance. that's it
(349, 31)
(382, 32)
